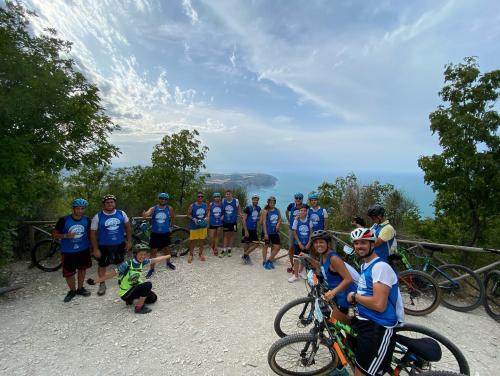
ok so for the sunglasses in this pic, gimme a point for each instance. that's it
(200, 196)
(298, 198)
(163, 199)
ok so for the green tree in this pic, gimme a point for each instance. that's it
(176, 163)
(50, 116)
(465, 176)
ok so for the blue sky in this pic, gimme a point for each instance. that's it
(276, 85)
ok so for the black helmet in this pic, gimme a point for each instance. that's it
(321, 234)
(375, 211)
(108, 197)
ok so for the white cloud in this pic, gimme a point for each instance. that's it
(189, 11)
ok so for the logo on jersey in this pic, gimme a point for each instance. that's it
(304, 230)
(255, 215)
(314, 218)
(112, 224)
(362, 283)
(160, 217)
(216, 211)
(200, 213)
(229, 210)
(78, 230)
(273, 218)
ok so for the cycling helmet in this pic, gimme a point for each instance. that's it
(313, 196)
(321, 234)
(138, 247)
(108, 197)
(216, 194)
(79, 202)
(271, 198)
(363, 234)
(255, 196)
(298, 196)
(164, 195)
(376, 210)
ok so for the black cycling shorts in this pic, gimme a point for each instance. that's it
(159, 240)
(230, 227)
(373, 346)
(252, 236)
(274, 239)
(140, 291)
(111, 254)
(214, 227)
(73, 261)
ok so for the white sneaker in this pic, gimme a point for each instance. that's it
(293, 278)
(303, 274)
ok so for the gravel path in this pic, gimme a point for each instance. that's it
(212, 318)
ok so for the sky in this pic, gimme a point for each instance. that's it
(275, 85)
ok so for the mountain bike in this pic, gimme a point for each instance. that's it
(420, 292)
(179, 237)
(46, 253)
(492, 294)
(461, 288)
(328, 346)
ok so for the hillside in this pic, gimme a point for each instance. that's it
(255, 180)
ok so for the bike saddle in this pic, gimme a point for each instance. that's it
(431, 248)
(425, 348)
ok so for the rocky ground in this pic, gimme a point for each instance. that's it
(212, 318)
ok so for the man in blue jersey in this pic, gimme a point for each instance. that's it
(250, 221)
(385, 233)
(111, 237)
(232, 211)
(216, 216)
(198, 226)
(379, 308)
(162, 220)
(73, 232)
(317, 214)
(292, 211)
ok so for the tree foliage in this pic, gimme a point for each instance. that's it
(346, 198)
(465, 176)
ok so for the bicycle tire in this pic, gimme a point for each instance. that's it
(440, 373)
(460, 294)
(492, 294)
(295, 344)
(420, 292)
(452, 359)
(46, 255)
(305, 304)
(179, 245)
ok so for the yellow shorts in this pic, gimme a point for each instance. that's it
(198, 234)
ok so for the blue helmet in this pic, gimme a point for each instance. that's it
(164, 195)
(216, 194)
(313, 196)
(298, 196)
(79, 202)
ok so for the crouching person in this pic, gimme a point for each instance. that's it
(131, 281)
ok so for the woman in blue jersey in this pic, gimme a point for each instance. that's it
(271, 222)
(301, 231)
(340, 276)
(216, 216)
(73, 231)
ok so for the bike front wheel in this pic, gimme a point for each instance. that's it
(419, 291)
(492, 294)
(301, 354)
(179, 242)
(452, 359)
(295, 317)
(46, 255)
(462, 289)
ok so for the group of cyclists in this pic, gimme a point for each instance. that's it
(374, 290)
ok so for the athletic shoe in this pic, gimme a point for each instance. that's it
(303, 274)
(102, 289)
(229, 253)
(222, 254)
(268, 265)
(83, 292)
(170, 265)
(271, 264)
(339, 372)
(289, 270)
(143, 309)
(246, 259)
(70, 295)
(150, 273)
(293, 278)
(264, 263)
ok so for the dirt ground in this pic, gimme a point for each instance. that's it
(212, 318)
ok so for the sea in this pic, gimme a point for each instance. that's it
(411, 183)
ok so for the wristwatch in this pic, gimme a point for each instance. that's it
(354, 297)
